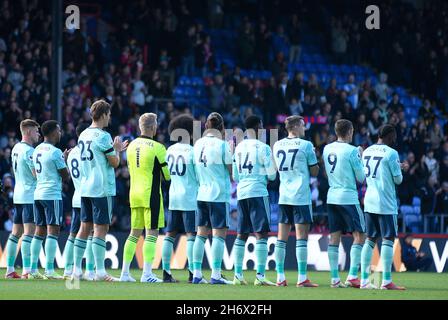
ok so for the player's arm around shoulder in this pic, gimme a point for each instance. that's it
(312, 162)
(29, 161)
(60, 160)
(356, 162)
(395, 167)
(269, 164)
(228, 156)
(235, 173)
(161, 158)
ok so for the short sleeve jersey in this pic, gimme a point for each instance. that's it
(184, 183)
(252, 167)
(97, 175)
(73, 162)
(294, 157)
(211, 156)
(381, 164)
(343, 166)
(48, 160)
(22, 166)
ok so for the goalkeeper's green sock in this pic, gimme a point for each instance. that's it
(128, 253)
(149, 249)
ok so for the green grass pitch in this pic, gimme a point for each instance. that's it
(420, 286)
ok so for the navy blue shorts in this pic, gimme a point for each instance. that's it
(213, 215)
(290, 214)
(346, 218)
(76, 220)
(48, 212)
(254, 215)
(97, 210)
(181, 221)
(381, 225)
(23, 213)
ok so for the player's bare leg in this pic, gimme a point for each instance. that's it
(302, 255)
(280, 252)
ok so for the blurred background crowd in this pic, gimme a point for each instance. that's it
(271, 58)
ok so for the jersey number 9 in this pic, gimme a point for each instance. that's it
(332, 160)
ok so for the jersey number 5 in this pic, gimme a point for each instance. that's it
(39, 170)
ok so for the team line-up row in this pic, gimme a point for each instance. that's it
(199, 197)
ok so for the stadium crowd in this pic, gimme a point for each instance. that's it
(136, 80)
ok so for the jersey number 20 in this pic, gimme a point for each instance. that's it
(179, 165)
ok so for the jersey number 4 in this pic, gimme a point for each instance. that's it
(203, 158)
